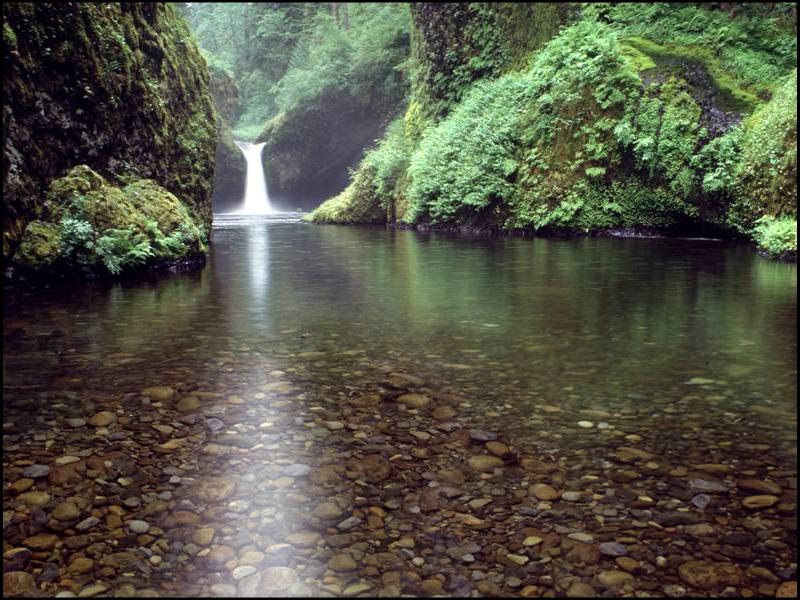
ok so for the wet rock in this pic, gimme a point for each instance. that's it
(342, 563)
(139, 526)
(580, 590)
(443, 413)
(707, 575)
(328, 511)
(103, 419)
(87, 523)
(373, 468)
(19, 583)
(42, 541)
(701, 501)
(75, 423)
(81, 565)
(203, 536)
(34, 498)
(304, 539)
(484, 462)
(213, 489)
(614, 578)
(613, 549)
(21, 485)
(66, 511)
(242, 572)
(760, 501)
(159, 393)
(755, 486)
(788, 589)
(479, 435)
(188, 404)
(543, 491)
(276, 580)
(414, 400)
(36, 471)
(296, 470)
(673, 519)
(218, 556)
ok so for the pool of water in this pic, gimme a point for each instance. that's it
(295, 344)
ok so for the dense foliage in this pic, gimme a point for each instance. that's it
(649, 116)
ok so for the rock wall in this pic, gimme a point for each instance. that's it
(120, 88)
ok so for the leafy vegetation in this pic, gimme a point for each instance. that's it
(635, 115)
(92, 225)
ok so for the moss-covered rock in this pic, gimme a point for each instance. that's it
(88, 223)
(121, 88)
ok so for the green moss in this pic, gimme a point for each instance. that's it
(356, 204)
(9, 37)
(734, 95)
(127, 95)
(91, 224)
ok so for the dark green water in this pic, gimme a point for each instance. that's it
(595, 320)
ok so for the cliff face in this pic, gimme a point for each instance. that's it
(120, 88)
(231, 169)
(595, 118)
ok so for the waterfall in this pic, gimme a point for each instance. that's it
(256, 198)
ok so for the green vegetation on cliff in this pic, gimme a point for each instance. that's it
(120, 88)
(636, 116)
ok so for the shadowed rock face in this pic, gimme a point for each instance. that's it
(309, 150)
(118, 87)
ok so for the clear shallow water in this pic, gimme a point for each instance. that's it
(688, 344)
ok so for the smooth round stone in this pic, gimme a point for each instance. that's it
(87, 523)
(203, 536)
(21, 485)
(443, 413)
(612, 549)
(342, 563)
(81, 565)
(580, 590)
(328, 511)
(479, 435)
(213, 489)
(218, 556)
(414, 400)
(102, 419)
(498, 448)
(760, 501)
(34, 498)
(36, 471)
(701, 501)
(252, 557)
(243, 571)
(139, 526)
(484, 462)
(572, 496)
(66, 511)
(579, 536)
(296, 470)
(532, 540)
(159, 393)
(754, 486)
(283, 482)
(585, 424)
(188, 404)
(66, 460)
(542, 491)
(304, 539)
(42, 541)
(627, 564)
(614, 578)
(75, 422)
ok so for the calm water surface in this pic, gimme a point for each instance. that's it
(687, 346)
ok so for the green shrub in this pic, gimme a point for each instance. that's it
(777, 236)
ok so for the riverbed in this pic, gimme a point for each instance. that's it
(346, 411)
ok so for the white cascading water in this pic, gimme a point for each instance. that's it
(256, 198)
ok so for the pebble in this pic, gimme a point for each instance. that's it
(36, 471)
(138, 526)
(102, 419)
(543, 491)
(414, 400)
(760, 501)
(613, 549)
(484, 462)
(66, 511)
(585, 424)
(342, 563)
(243, 571)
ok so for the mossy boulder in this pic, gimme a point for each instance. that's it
(120, 88)
(357, 203)
(88, 223)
